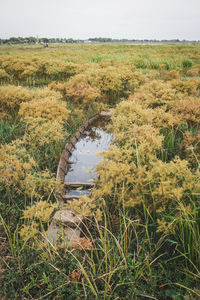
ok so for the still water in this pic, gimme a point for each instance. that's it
(84, 160)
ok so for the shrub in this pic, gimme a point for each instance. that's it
(19, 173)
(188, 87)
(45, 93)
(172, 74)
(46, 108)
(31, 68)
(190, 148)
(11, 97)
(156, 93)
(109, 82)
(188, 110)
(194, 71)
(41, 133)
(80, 90)
(40, 184)
(3, 75)
(43, 139)
(15, 163)
(153, 74)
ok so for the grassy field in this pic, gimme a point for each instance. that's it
(141, 230)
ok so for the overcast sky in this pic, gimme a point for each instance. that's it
(133, 19)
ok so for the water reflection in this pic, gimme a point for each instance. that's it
(83, 158)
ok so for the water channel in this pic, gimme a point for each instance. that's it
(84, 159)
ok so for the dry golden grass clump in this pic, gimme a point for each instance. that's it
(14, 65)
(187, 87)
(140, 62)
(152, 74)
(131, 80)
(128, 113)
(170, 102)
(19, 173)
(86, 207)
(190, 148)
(78, 89)
(28, 73)
(164, 119)
(109, 82)
(172, 74)
(194, 71)
(22, 68)
(57, 68)
(100, 85)
(115, 82)
(35, 216)
(31, 68)
(49, 109)
(57, 86)
(106, 62)
(43, 112)
(30, 231)
(40, 210)
(12, 96)
(46, 93)
(188, 110)
(41, 133)
(40, 184)
(172, 181)
(156, 93)
(15, 163)
(3, 75)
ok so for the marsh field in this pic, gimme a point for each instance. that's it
(140, 238)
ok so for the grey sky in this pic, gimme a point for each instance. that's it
(136, 19)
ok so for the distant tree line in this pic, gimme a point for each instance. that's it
(34, 40)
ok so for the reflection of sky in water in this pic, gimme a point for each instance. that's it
(84, 155)
(78, 192)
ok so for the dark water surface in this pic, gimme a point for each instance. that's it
(83, 158)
